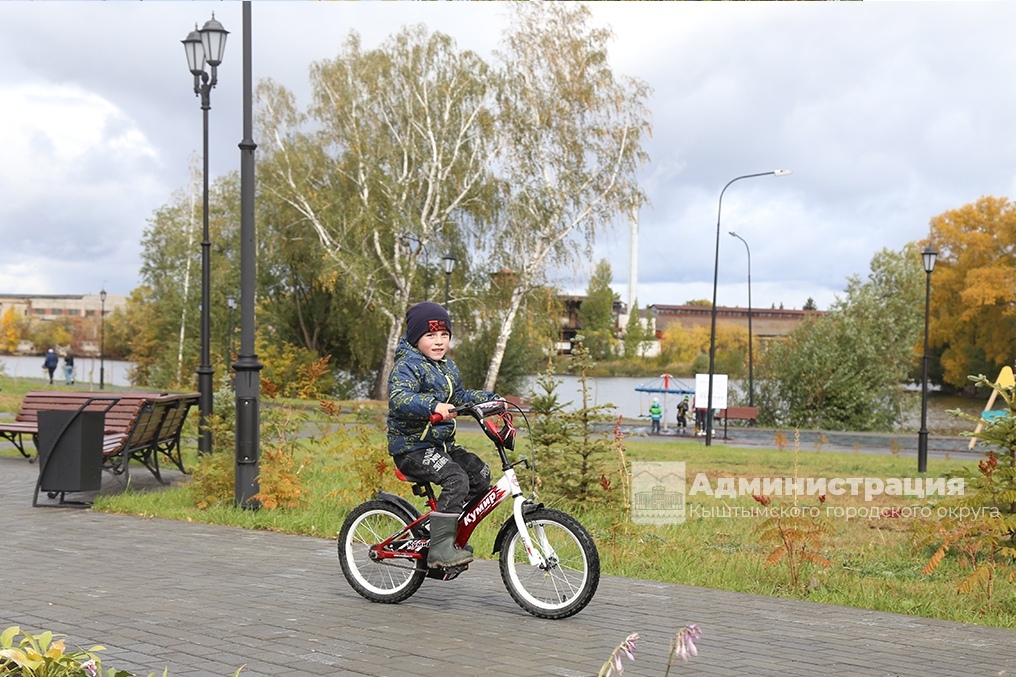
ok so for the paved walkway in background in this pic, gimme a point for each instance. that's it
(204, 600)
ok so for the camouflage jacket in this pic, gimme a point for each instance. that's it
(415, 387)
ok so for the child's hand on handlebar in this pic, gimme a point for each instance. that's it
(444, 410)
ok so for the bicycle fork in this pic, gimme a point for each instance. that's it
(542, 556)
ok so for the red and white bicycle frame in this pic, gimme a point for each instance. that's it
(397, 546)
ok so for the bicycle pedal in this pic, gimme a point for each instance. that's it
(446, 573)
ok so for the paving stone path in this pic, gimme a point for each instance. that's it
(203, 600)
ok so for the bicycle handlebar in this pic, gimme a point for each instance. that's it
(477, 411)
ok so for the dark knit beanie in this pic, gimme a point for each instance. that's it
(424, 318)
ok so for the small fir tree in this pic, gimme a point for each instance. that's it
(578, 450)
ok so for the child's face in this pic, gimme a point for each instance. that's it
(434, 345)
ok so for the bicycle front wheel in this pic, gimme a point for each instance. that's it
(387, 580)
(565, 584)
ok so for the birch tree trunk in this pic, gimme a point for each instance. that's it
(195, 182)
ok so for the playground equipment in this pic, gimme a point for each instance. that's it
(1006, 379)
(665, 384)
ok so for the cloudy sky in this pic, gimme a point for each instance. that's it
(888, 114)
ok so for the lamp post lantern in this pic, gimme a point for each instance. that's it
(716, 271)
(449, 265)
(206, 45)
(751, 361)
(231, 304)
(928, 255)
(102, 340)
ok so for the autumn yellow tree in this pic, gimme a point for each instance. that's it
(10, 330)
(691, 345)
(684, 344)
(973, 301)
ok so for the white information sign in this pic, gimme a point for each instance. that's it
(719, 391)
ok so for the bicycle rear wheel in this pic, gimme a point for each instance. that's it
(566, 584)
(389, 580)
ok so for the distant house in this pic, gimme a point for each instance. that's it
(80, 310)
(765, 322)
(54, 306)
(571, 326)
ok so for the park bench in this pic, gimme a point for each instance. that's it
(749, 414)
(26, 423)
(140, 426)
(154, 432)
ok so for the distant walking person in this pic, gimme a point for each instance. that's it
(69, 368)
(655, 413)
(50, 363)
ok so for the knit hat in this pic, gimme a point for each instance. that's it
(424, 318)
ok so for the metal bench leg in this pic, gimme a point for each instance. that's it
(18, 442)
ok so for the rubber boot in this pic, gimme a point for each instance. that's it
(443, 552)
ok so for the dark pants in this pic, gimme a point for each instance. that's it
(459, 473)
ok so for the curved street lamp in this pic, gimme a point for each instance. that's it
(205, 46)
(751, 361)
(928, 256)
(716, 270)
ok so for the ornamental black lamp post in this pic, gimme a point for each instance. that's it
(929, 255)
(247, 365)
(751, 362)
(449, 265)
(102, 340)
(716, 271)
(205, 46)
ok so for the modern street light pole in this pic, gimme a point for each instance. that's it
(247, 365)
(205, 46)
(716, 272)
(449, 265)
(102, 340)
(929, 255)
(751, 361)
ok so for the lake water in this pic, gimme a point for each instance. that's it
(86, 370)
(620, 392)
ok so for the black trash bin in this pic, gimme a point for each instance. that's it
(70, 452)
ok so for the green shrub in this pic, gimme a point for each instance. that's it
(41, 656)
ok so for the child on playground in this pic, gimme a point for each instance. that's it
(656, 414)
(682, 415)
(425, 381)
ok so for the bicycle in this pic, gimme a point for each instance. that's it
(547, 559)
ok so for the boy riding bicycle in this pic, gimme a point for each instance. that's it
(424, 382)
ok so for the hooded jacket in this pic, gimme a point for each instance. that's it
(415, 387)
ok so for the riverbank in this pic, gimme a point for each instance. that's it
(86, 370)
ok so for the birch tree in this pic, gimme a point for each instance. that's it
(570, 134)
(399, 155)
(165, 350)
